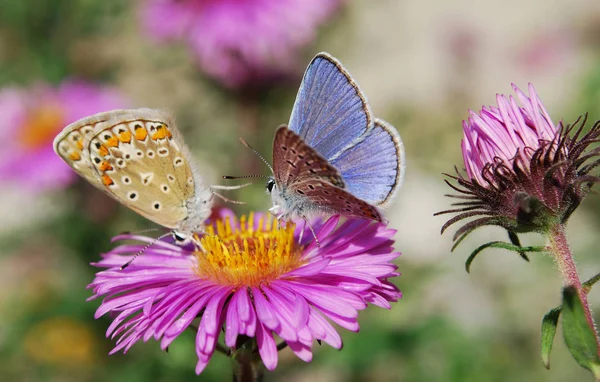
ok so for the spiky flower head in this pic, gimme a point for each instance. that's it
(255, 280)
(524, 173)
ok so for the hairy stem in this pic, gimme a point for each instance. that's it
(566, 264)
(247, 365)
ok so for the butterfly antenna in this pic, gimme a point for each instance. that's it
(144, 248)
(243, 177)
(257, 154)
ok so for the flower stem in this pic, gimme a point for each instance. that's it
(247, 366)
(566, 264)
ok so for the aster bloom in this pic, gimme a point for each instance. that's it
(524, 173)
(32, 117)
(254, 281)
(239, 42)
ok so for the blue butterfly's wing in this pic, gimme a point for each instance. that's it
(294, 160)
(330, 113)
(373, 169)
(332, 116)
(302, 173)
(336, 200)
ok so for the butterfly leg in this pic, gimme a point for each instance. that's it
(196, 241)
(274, 210)
(279, 220)
(200, 246)
(302, 232)
(311, 230)
(220, 187)
(226, 199)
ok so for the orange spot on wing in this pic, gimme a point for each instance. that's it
(140, 133)
(105, 166)
(74, 156)
(103, 151)
(80, 144)
(125, 137)
(107, 181)
(161, 133)
(112, 142)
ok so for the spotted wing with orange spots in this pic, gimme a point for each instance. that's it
(72, 142)
(137, 157)
(142, 160)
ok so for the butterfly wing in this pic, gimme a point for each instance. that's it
(141, 160)
(71, 145)
(330, 112)
(309, 181)
(373, 169)
(328, 197)
(294, 160)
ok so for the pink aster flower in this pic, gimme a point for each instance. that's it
(524, 173)
(240, 42)
(32, 117)
(254, 281)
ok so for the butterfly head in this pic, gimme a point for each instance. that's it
(270, 186)
(276, 195)
(182, 238)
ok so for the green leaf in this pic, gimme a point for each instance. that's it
(515, 240)
(579, 336)
(549, 323)
(587, 286)
(503, 245)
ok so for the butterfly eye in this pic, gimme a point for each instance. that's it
(270, 185)
(179, 237)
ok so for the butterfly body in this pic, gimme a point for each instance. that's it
(138, 157)
(305, 184)
(334, 157)
(287, 199)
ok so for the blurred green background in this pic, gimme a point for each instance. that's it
(422, 64)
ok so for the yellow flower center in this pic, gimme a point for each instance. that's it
(41, 126)
(248, 255)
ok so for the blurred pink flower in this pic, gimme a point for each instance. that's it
(33, 116)
(548, 49)
(240, 42)
(254, 282)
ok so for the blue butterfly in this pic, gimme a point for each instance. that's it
(334, 157)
